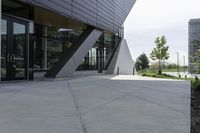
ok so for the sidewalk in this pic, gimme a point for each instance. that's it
(96, 104)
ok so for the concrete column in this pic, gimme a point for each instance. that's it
(121, 62)
(0, 41)
(45, 49)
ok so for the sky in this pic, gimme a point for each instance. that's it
(149, 19)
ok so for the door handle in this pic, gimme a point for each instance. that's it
(8, 57)
(12, 57)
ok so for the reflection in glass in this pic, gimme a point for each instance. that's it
(3, 47)
(54, 51)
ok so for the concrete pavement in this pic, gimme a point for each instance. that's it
(96, 104)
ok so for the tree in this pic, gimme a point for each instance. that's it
(197, 58)
(160, 52)
(142, 62)
(137, 65)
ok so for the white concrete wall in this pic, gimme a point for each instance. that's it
(122, 59)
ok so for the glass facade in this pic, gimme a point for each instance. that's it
(50, 43)
(53, 35)
(98, 56)
(52, 38)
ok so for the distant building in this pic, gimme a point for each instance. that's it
(193, 43)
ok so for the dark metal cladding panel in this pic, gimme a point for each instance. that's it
(103, 14)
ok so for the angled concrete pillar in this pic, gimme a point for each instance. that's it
(72, 58)
(122, 62)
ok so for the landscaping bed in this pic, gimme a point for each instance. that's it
(157, 75)
(195, 107)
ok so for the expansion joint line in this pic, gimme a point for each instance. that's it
(77, 109)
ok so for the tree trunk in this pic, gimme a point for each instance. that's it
(199, 68)
(159, 64)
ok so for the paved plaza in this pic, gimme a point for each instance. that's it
(96, 104)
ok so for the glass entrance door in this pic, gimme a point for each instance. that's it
(14, 43)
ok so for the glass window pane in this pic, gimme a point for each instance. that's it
(3, 47)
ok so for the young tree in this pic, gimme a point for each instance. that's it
(160, 52)
(137, 65)
(142, 62)
(197, 58)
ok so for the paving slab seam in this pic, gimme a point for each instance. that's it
(77, 109)
(123, 92)
(112, 100)
(169, 108)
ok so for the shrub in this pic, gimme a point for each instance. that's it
(196, 84)
(157, 75)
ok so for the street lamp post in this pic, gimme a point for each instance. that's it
(184, 63)
(177, 63)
